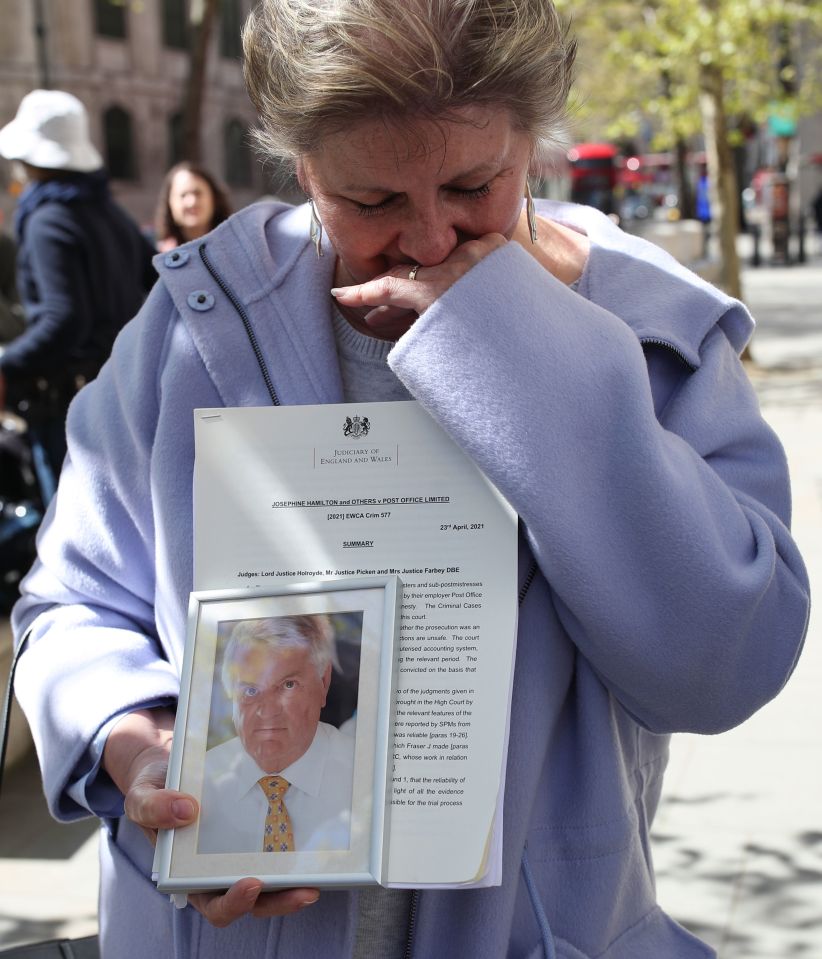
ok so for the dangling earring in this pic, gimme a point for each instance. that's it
(315, 230)
(530, 212)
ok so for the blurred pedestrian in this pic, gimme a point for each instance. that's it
(191, 204)
(703, 210)
(11, 313)
(817, 211)
(83, 269)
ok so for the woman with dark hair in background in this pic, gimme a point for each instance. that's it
(191, 204)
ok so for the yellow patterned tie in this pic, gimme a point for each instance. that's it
(278, 835)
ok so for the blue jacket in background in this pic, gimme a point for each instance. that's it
(83, 270)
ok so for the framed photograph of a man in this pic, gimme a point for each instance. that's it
(282, 734)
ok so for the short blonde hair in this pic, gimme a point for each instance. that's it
(313, 632)
(317, 67)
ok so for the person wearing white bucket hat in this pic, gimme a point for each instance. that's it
(83, 269)
(50, 131)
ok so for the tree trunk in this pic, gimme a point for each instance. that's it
(202, 20)
(686, 193)
(721, 180)
(721, 176)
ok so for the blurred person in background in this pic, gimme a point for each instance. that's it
(191, 204)
(703, 210)
(11, 313)
(816, 207)
(83, 269)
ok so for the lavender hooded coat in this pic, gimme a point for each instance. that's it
(619, 423)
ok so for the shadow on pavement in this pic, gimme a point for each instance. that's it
(20, 931)
(754, 901)
(28, 830)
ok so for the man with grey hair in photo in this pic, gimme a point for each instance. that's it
(284, 782)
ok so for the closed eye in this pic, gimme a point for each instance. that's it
(371, 209)
(474, 193)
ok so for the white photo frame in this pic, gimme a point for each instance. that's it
(366, 610)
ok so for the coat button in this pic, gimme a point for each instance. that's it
(176, 258)
(200, 300)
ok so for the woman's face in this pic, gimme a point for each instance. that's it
(394, 194)
(191, 203)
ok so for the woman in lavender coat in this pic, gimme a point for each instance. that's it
(594, 381)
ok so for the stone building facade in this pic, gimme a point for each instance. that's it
(128, 61)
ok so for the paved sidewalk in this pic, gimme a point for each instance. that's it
(48, 871)
(738, 839)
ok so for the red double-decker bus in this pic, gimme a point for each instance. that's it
(593, 170)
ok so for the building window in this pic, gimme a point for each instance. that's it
(120, 158)
(175, 138)
(237, 154)
(110, 18)
(175, 24)
(231, 23)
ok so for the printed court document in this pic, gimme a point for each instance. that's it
(317, 492)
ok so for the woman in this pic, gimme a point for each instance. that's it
(653, 497)
(191, 203)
